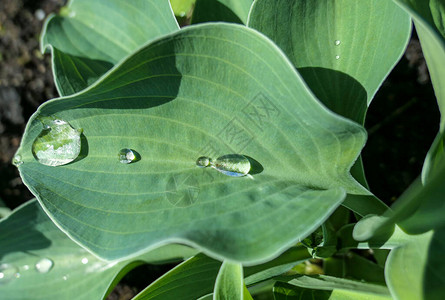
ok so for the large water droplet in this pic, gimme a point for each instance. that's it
(337, 42)
(17, 160)
(127, 156)
(44, 265)
(235, 165)
(8, 272)
(204, 161)
(58, 143)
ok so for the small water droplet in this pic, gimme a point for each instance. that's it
(337, 57)
(26, 267)
(127, 156)
(72, 14)
(17, 160)
(235, 165)
(44, 265)
(84, 260)
(7, 273)
(57, 144)
(337, 42)
(65, 277)
(204, 161)
(182, 14)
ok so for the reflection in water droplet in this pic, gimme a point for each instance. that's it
(204, 161)
(235, 165)
(7, 273)
(17, 275)
(44, 265)
(337, 57)
(84, 260)
(337, 42)
(25, 267)
(57, 144)
(17, 160)
(127, 156)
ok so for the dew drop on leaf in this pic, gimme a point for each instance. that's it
(337, 57)
(235, 165)
(8, 272)
(127, 156)
(17, 160)
(204, 161)
(337, 42)
(44, 265)
(57, 144)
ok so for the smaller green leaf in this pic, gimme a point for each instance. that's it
(89, 37)
(323, 282)
(229, 282)
(233, 11)
(192, 279)
(417, 270)
(284, 291)
(35, 255)
(182, 7)
(356, 235)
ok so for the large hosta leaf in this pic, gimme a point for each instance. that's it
(89, 37)
(343, 49)
(29, 238)
(200, 91)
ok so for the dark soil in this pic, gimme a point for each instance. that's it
(402, 120)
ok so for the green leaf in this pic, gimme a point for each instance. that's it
(229, 282)
(285, 291)
(196, 277)
(28, 237)
(356, 235)
(429, 21)
(329, 283)
(233, 11)
(192, 279)
(89, 37)
(416, 270)
(343, 49)
(182, 7)
(167, 103)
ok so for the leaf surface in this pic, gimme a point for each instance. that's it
(229, 282)
(169, 104)
(234, 11)
(343, 49)
(28, 236)
(90, 37)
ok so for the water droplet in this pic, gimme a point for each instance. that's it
(65, 277)
(182, 14)
(17, 275)
(235, 165)
(84, 260)
(44, 265)
(204, 161)
(127, 156)
(17, 160)
(72, 14)
(7, 273)
(337, 57)
(337, 42)
(25, 267)
(57, 144)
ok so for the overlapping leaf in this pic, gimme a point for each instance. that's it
(234, 11)
(27, 236)
(343, 49)
(200, 91)
(89, 37)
